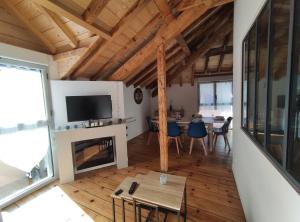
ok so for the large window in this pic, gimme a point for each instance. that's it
(25, 148)
(271, 85)
(215, 99)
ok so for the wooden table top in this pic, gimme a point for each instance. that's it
(125, 185)
(186, 121)
(168, 196)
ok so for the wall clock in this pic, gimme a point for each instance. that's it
(138, 96)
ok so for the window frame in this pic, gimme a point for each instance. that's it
(282, 168)
(49, 112)
(215, 91)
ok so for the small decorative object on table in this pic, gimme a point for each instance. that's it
(163, 179)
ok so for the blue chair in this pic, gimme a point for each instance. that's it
(174, 133)
(223, 131)
(152, 129)
(197, 130)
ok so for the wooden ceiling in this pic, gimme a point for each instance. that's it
(117, 39)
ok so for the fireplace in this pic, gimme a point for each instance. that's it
(93, 154)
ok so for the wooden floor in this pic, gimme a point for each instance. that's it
(212, 193)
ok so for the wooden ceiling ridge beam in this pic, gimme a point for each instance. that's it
(63, 11)
(125, 21)
(30, 26)
(93, 10)
(166, 32)
(204, 46)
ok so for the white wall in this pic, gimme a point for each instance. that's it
(264, 192)
(60, 89)
(26, 55)
(185, 96)
(136, 112)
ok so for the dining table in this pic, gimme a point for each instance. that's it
(210, 123)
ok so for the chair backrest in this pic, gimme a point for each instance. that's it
(225, 126)
(229, 119)
(219, 118)
(197, 129)
(173, 129)
(150, 124)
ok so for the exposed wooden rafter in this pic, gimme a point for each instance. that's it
(56, 21)
(189, 4)
(93, 10)
(30, 26)
(63, 11)
(125, 22)
(167, 32)
(183, 45)
(203, 47)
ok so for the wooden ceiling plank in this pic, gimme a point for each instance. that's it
(93, 10)
(125, 21)
(90, 49)
(167, 32)
(57, 22)
(29, 25)
(61, 10)
(71, 53)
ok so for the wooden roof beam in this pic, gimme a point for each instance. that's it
(165, 10)
(29, 25)
(215, 35)
(166, 32)
(93, 10)
(63, 11)
(183, 45)
(226, 40)
(189, 4)
(57, 23)
(219, 51)
(125, 22)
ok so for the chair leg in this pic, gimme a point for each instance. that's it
(150, 134)
(177, 146)
(227, 142)
(203, 145)
(179, 140)
(191, 145)
(215, 142)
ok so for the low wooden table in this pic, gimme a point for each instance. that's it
(169, 196)
(151, 193)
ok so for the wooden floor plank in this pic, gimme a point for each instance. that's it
(211, 189)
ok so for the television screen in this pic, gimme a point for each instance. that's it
(81, 108)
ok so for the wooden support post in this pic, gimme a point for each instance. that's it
(162, 106)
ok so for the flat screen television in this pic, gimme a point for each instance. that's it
(82, 108)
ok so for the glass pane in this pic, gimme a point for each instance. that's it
(293, 162)
(25, 156)
(261, 90)
(251, 78)
(224, 98)
(245, 82)
(207, 101)
(278, 84)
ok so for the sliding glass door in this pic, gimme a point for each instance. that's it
(25, 147)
